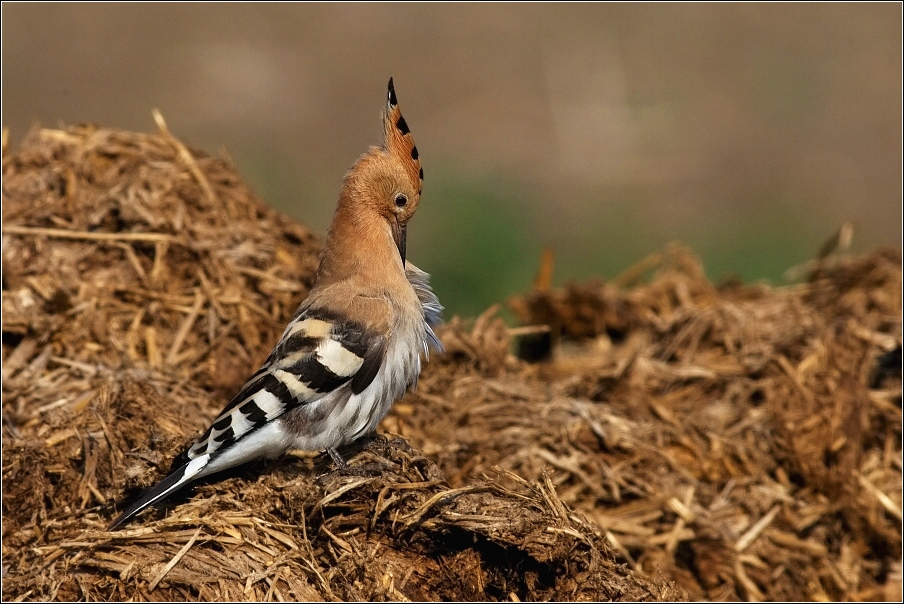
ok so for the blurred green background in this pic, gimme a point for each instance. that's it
(748, 131)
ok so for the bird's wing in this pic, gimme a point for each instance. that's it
(318, 353)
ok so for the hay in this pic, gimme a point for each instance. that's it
(678, 440)
(743, 440)
(142, 283)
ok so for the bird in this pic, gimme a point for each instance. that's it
(353, 346)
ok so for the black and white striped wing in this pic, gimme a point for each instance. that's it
(317, 354)
(314, 357)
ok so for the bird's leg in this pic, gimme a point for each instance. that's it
(344, 469)
(377, 444)
(337, 459)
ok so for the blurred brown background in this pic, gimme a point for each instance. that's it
(750, 132)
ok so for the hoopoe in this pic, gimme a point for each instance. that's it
(354, 345)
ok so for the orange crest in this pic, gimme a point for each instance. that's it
(398, 142)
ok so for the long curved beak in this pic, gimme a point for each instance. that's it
(399, 234)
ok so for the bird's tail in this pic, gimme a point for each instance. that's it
(176, 480)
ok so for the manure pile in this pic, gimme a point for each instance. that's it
(676, 440)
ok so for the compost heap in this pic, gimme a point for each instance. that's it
(669, 439)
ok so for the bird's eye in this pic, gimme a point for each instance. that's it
(401, 200)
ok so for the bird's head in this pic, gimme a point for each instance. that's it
(387, 180)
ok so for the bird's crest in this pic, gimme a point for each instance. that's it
(398, 142)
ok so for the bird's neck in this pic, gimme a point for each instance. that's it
(359, 245)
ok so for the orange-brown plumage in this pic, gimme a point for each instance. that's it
(354, 345)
